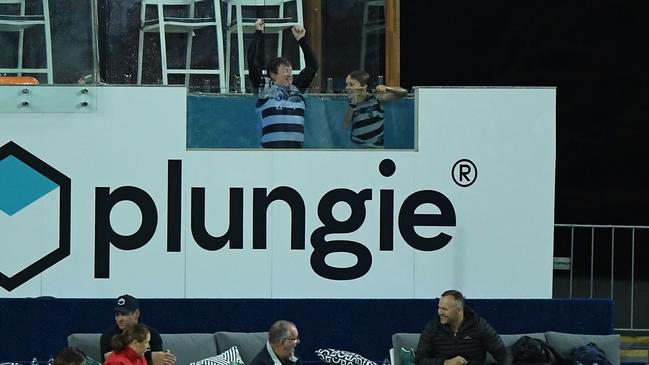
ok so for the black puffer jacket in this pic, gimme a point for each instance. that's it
(474, 339)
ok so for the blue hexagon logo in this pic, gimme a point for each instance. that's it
(24, 180)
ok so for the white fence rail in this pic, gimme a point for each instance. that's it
(605, 261)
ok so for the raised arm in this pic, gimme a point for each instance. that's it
(389, 93)
(303, 80)
(256, 57)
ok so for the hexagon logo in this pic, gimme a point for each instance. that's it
(29, 243)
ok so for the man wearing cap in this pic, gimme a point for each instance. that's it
(459, 336)
(127, 313)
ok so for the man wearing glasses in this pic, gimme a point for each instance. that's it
(283, 338)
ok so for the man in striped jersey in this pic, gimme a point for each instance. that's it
(280, 102)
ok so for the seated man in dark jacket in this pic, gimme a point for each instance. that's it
(280, 348)
(458, 336)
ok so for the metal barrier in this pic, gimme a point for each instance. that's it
(605, 261)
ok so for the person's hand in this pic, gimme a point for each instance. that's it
(168, 358)
(298, 32)
(380, 89)
(457, 360)
(259, 24)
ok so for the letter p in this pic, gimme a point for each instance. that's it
(106, 235)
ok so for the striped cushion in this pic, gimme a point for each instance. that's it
(230, 356)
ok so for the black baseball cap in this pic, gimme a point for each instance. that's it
(126, 304)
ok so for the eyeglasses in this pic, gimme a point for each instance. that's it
(292, 339)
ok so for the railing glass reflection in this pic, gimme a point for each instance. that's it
(97, 42)
(70, 37)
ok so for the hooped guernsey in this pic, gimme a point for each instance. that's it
(280, 109)
(367, 122)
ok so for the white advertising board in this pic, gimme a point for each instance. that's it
(101, 203)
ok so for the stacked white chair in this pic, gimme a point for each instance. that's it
(187, 24)
(275, 24)
(16, 20)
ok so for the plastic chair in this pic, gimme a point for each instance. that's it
(17, 22)
(371, 26)
(276, 24)
(174, 24)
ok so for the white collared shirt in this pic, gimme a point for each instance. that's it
(276, 359)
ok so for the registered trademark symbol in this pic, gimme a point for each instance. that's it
(464, 173)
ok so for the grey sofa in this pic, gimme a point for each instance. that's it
(188, 347)
(563, 343)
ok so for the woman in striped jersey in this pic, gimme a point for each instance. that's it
(365, 112)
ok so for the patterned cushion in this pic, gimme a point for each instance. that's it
(339, 357)
(407, 356)
(228, 357)
(403, 340)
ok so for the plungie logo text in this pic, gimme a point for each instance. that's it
(408, 219)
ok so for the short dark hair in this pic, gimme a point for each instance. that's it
(70, 356)
(279, 331)
(274, 64)
(361, 76)
(459, 298)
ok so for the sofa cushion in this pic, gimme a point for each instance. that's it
(91, 361)
(564, 343)
(86, 342)
(189, 347)
(230, 356)
(248, 343)
(403, 340)
(340, 357)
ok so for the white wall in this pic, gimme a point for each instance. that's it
(500, 244)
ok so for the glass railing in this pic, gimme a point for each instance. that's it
(220, 121)
(205, 47)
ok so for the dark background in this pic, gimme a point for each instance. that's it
(595, 53)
